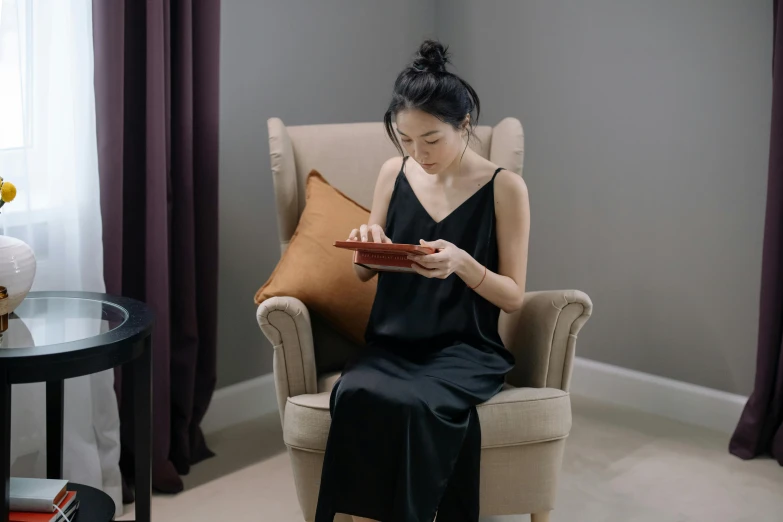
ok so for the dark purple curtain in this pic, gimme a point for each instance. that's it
(760, 430)
(156, 83)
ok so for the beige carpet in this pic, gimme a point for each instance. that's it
(620, 466)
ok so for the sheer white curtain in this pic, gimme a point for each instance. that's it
(48, 149)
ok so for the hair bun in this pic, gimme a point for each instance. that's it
(431, 57)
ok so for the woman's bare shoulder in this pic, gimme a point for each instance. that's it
(510, 189)
(388, 174)
(507, 179)
(391, 167)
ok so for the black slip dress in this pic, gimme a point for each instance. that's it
(405, 439)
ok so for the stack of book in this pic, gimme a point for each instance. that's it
(34, 500)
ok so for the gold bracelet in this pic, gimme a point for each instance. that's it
(482, 280)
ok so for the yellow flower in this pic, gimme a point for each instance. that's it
(7, 191)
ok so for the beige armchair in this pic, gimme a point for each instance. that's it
(524, 427)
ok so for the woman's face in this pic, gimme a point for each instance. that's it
(432, 143)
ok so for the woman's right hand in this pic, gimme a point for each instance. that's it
(369, 233)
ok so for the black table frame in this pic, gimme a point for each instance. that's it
(129, 343)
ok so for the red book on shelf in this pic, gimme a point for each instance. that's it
(66, 506)
(384, 257)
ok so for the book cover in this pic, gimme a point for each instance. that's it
(35, 494)
(384, 257)
(383, 262)
(385, 248)
(69, 505)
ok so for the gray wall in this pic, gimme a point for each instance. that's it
(647, 127)
(304, 62)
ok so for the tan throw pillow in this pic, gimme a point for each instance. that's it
(316, 272)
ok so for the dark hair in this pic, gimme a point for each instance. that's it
(426, 85)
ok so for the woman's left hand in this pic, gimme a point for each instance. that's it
(447, 260)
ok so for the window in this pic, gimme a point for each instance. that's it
(15, 44)
(47, 135)
(16, 124)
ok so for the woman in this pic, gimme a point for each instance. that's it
(405, 439)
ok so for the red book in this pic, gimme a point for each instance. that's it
(384, 257)
(65, 505)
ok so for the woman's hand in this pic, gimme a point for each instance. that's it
(369, 234)
(447, 260)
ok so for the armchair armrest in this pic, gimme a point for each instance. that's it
(542, 336)
(285, 321)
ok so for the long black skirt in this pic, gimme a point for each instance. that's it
(405, 439)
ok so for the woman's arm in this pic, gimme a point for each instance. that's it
(380, 206)
(505, 289)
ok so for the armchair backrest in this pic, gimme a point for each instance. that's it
(350, 155)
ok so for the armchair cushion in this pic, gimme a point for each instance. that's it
(513, 417)
(318, 274)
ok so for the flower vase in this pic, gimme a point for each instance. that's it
(17, 271)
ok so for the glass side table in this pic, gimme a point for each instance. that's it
(54, 336)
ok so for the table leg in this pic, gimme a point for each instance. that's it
(5, 442)
(141, 379)
(54, 429)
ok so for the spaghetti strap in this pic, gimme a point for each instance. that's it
(404, 159)
(493, 176)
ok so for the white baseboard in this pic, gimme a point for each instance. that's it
(240, 402)
(676, 400)
(681, 401)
